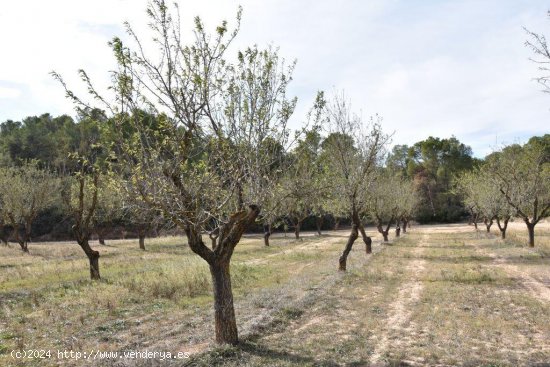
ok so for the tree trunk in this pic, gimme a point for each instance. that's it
(531, 230)
(142, 241)
(3, 238)
(336, 223)
(297, 226)
(93, 257)
(101, 239)
(319, 223)
(224, 312)
(21, 241)
(405, 224)
(382, 232)
(502, 228)
(267, 234)
(397, 231)
(24, 246)
(488, 224)
(366, 239)
(344, 257)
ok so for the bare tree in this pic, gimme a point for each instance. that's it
(141, 216)
(352, 152)
(24, 192)
(80, 198)
(466, 186)
(407, 203)
(383, 201)
(539, 46)
(110, 206)
(221, 127)
(522, 175)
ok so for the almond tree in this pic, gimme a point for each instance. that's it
(110, 206)
(273, 210)
(207, 165)
(465, 185)
(80, 199)
(491, 203)
(141, 216)
(352, 151)
(299, 194)
(522, 175)
(383, 201)
(299, 184)
(24, 192)
(408, 200)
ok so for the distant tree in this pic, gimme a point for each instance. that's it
(274, 210)
(110, 206)
(407, 202)
(352, 152)
(25, 191)
(398, 159)
(522, 175)
(383, 201)
(299, 192)
(44, 139)
(303, 188)
(141, 217)
(480, 190)
(433, 163)
(465, 186)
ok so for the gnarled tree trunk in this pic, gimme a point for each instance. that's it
(405, 224)
(503, 227)
(141, 236)
(319, 223)
(382, 232)
(344, 257)
(20, 240)
(93, 257)
(366, 239)
(531, 231)
(267, 234)
(488, 223)
(101, 237)
(218, 260)
(224, 311)
(336, 223)
(297, 226)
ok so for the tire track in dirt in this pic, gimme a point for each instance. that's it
(536, 288)
(401, 309)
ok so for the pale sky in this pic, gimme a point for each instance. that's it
(429, 67)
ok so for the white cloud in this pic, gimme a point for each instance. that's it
(9, 93)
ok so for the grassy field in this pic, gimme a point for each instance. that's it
(439, 296)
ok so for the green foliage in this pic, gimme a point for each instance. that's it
(25, 191)
(432, 164)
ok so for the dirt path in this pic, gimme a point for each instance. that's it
(398, 320)
(538, 290)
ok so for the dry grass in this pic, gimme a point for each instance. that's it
(441, 295)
